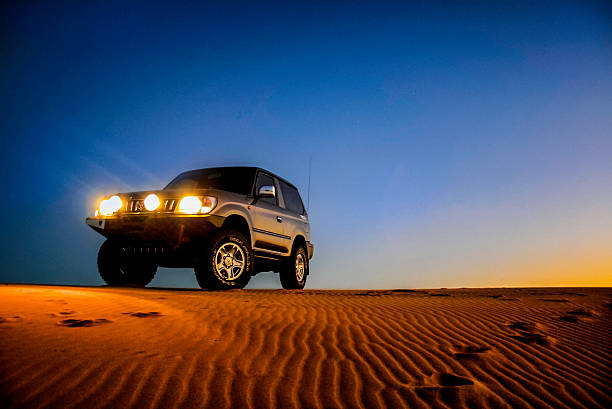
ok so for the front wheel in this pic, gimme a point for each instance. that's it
(293, 275)
(227, 263)
(118, 269)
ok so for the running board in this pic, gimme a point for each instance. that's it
(267, 256)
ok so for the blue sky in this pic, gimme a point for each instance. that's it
(452, 145)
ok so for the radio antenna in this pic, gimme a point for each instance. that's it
(309, 172)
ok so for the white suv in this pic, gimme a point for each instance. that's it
(227, 223)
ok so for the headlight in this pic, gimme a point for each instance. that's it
(193, 204)
(110, 206)
(190, 204)
(208, 203)
(151, 202)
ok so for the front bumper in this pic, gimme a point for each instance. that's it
(310, 248)
(170, 229)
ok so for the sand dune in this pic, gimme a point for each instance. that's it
(90, 347)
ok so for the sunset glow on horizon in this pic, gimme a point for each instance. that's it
(451, 145)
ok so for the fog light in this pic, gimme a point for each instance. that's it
(151, 202)
(110, 206)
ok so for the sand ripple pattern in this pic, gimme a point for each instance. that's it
(77, 347)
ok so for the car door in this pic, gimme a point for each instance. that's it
(268, 227)
(294, 217)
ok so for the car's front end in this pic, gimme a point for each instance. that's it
(162, 224)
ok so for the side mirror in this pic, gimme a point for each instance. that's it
(267, 191)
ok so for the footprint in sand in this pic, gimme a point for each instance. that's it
(447, 379)
(528, 333)
(575, 315)
(469, 351)
(522, 326)
(152, 314)
(63, 313)
(71, 322)
(531, 338)
(8, 320)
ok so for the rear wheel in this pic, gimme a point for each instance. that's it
(227, 263)
(293, 275)
(118, 269)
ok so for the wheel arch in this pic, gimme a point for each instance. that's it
(240, 223)
(299, 239)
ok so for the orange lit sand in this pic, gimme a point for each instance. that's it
(105, 347)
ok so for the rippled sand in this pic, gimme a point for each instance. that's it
(106, 347)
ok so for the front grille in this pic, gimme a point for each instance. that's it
(137, 206)
(169, 205)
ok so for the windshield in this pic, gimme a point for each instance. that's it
(237, 180)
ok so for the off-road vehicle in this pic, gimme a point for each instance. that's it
(226, 223)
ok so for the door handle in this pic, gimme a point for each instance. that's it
(279, 219)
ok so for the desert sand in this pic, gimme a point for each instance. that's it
(92, 347)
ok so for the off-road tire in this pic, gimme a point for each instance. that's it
(118, 269)
(208, 275)
(289, 276)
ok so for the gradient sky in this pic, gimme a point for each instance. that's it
(452, 145)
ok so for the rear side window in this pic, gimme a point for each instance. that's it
(265, 180)
(293, 202)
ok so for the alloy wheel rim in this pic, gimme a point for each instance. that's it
(230, 261)
(300, 267)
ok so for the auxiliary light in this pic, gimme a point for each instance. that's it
(151, 202)
(110, 206)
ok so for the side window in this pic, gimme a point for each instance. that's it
(293, 202)
(265, 180)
